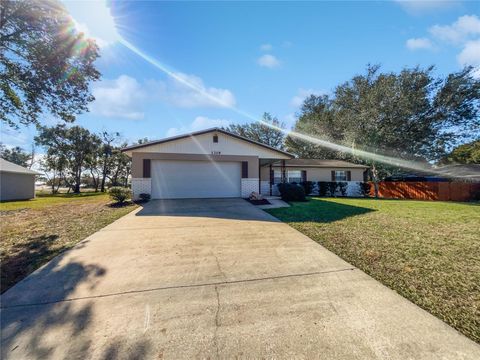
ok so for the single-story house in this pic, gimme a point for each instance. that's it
(216, 163)
(16, 182)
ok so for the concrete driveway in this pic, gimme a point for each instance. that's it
(213, 279)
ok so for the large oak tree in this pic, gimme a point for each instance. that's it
(410, 115)
(46, 66)
(260, 132)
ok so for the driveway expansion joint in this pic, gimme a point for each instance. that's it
(215, 284)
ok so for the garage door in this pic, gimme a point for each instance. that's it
(195, 179)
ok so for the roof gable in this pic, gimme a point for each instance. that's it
(201, 142)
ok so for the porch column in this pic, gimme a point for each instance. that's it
(284, 175)
(271, 177)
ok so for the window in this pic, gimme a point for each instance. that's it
(215, 138)
(340, 175)
(294, 176)
(277, 176)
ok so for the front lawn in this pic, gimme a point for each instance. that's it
(429, 252)
(35, 231)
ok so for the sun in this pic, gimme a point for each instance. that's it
(95, 20)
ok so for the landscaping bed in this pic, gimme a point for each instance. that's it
(426, 251)
(35, 231)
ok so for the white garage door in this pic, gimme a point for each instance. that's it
(195, 179)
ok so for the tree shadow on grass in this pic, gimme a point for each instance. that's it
(317, 210)
(25, 257)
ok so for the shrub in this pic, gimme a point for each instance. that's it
(322, 188)
(342, 186)
(144, 197)
(476, 195)
(119, 194)
(332, 188)
(364, 189)
(307, 186)
(291, 192)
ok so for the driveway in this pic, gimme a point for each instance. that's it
(213, 279)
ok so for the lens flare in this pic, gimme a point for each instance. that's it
(406, 164)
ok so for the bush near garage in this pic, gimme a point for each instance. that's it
(119, 194)
(144, 197)
(291, 192)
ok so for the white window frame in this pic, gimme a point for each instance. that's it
(340, 175)
(294, 176)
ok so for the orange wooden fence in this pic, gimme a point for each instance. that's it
(442, 191)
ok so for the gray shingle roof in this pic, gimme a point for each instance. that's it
(7, 166)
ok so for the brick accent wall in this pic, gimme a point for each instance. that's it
(249, 185)
(141, 186)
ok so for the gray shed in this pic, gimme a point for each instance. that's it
(16, 182)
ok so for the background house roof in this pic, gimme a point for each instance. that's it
(320, 163)
(173, 138)
(7, 166)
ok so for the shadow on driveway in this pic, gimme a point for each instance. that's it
(225, 208)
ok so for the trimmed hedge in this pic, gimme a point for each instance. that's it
(307, 186)
(332, 188)
(322, 188)
(365, 189)
(291, 192)
(342, 186)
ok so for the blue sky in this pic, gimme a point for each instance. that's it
(252, 56)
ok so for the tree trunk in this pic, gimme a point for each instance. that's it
(78, 179)
(104, 175)
(95, 180)
(375, 179)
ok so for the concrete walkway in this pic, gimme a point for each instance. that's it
(213, 279)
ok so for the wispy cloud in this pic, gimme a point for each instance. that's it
(419, 44)
(125, 97)
(470, 55)
(121, 98)
(464, 28)
(464, 33)
(176, 93)
(266, 47)
(419, 7)
(268, 61)
(199, 123)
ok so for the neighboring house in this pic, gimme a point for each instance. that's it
(215, 163)
(16, 182)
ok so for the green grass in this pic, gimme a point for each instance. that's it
(45, 200)
(35, 231)
(429, 252)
